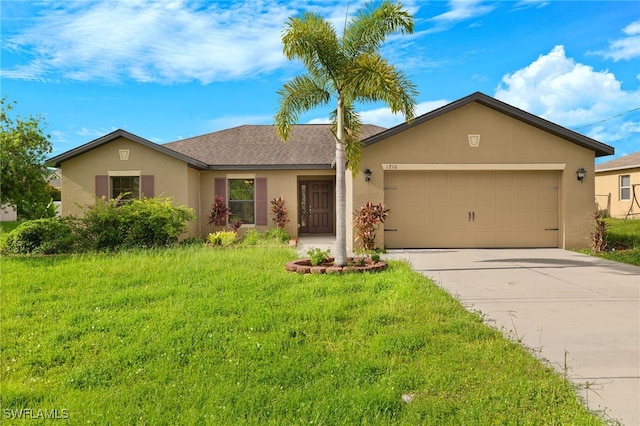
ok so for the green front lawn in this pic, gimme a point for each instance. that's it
(195, 335)
(623, 241)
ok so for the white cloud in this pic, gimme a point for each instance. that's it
(150, 41)
(571, 94)
(625, 48)
(460, 10)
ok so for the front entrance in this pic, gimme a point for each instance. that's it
(316, 207)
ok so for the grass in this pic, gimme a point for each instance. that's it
(623, 241)
(195, 335)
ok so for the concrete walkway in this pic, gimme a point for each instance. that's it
(323, 242)
(579, 313)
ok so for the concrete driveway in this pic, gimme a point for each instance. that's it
(579, 313)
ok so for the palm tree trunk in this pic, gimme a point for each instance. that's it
(341, 198)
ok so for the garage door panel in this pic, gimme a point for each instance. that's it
(527, 239)
(395, 180)
(438, 199)
(548, 200)
(484, 180)
(458, 180)
(439, 219)
(483, 220)
(459, 198)
(527, 199)
(419, 201)
(415, 219)
(527, 220)
(548, 180)
(547, 220)
(485, 198)
(527, 179)
(548, 239)
(472, 209)
(505, 180)
(506, 200)
(438, 180)
(415, 180)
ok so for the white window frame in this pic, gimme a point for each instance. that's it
(622, 188)
(124, 173)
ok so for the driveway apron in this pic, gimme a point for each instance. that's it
(579, 313)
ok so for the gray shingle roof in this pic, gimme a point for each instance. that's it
(258, 147)
(627, 162)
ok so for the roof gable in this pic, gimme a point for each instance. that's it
(599, 148)
(630, 161)
(57, 160)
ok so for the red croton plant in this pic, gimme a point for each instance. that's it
(366, 221)
(220, 211)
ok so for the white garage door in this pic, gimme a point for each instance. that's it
(471, 209)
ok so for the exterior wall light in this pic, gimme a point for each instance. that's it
(581, 172)
(367, 175)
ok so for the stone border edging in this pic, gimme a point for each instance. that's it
(303, 266)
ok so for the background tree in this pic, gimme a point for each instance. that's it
(347, 69)
(23, 150)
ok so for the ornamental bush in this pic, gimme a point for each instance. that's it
(222, 238)
(150, 222)
(42, 236)
(107, 225)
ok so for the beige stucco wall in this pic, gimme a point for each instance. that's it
(280, 183)
(503, 140)
(172, 177)
(607, 187)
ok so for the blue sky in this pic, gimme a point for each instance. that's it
(166, 70)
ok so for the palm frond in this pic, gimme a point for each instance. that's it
(372, 24)
(296, 96)
(312, 40)
(371, 79)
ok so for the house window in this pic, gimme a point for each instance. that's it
(625, 187)
(127, 186)
(241, 200)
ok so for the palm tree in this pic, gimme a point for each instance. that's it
(348, 69)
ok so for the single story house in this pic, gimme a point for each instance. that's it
(474, 173)
(617, 183)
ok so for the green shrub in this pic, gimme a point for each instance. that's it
(103, 224)
(42, 236)
(251, 237)
(277, 234)
(222, 238)
(192, 241)
(150, 222)
(318, 257)
(154, 222)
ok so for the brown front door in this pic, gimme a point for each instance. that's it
(316, 207)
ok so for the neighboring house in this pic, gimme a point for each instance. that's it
(474, 173)
(8, 213)
(617, 181)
